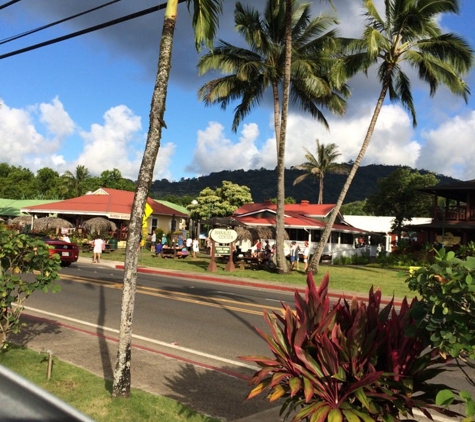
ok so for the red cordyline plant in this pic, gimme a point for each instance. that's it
(348, 362)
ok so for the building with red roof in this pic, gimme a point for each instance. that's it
(113, 204)
(303, 222)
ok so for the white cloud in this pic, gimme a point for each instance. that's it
(449, 149)
(391, 142)
(214, 152)
(56, 119)
(119, 143)
(22, 143)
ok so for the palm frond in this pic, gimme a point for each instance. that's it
(205, 21)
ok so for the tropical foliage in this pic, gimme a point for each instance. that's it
(320, 164)
(26, 267)
(408, 33)
(22, 183)
(288, 54)
(447, 313)
(220, 202)
(351, 361)
(399, 195)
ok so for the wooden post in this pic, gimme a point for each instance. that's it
(230, 265)
(212, 265)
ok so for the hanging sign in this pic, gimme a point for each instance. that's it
(223, 235)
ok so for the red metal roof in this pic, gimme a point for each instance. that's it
(113, 203)
(303, 208)
(303, 215)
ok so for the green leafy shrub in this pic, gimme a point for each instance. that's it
(447, 312)
(25, 267)
(351, 361)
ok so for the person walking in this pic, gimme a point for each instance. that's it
(196, 247)
(99, 246)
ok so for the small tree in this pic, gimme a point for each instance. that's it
(323, 162)
(26, 266)
(220, 202)
(398, 195)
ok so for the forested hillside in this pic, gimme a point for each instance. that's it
(263, 184)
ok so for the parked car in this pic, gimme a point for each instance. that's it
(68, 252)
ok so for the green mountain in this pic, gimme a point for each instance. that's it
(263, 184)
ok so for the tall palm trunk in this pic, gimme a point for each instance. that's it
(320, 190)
(314, 262)
(122, 378)
(280, 258)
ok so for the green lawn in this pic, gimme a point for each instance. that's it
(349, 279)
(90, 395)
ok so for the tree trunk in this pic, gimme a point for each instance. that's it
(320, 190)
(122, 378)
(282, 266)
(315, 261)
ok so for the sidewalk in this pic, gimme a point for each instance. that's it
(152, 369)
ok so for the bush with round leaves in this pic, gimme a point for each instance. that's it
(25, 267)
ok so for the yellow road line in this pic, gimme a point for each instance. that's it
(232, 305)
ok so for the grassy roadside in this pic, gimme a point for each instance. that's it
(91, 396)
(348, 279)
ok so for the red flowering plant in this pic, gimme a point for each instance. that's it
(348, 361)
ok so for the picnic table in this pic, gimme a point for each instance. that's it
(171, 253)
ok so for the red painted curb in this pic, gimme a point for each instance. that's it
(147, 270)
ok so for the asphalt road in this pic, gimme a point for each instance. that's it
(187, 319)
(209, 321)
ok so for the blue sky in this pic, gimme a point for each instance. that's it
(86, 101)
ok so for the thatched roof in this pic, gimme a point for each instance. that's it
(253, 233)
(23, 219)
(99, 225)
(46, 223)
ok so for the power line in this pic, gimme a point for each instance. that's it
(8, 4)
(32, 31)
(87, 30)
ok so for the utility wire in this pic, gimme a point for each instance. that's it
(32, 31)
(8, 4)
(87, 30)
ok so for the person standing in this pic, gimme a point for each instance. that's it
(306, 253)
(99, 246)
(153, 240)
(189, 244)
(196, 247)
(293, 248)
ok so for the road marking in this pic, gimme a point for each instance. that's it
(146, 339)
(228, 304)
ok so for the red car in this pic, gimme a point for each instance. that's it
(68, 252)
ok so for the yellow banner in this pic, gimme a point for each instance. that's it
(147, 213)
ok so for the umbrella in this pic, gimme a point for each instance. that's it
(99, 224)
(56, 223)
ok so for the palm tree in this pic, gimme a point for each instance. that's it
(75, 181)
(205, 21)
(320, 164)
(408, 34)
(250, 72)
